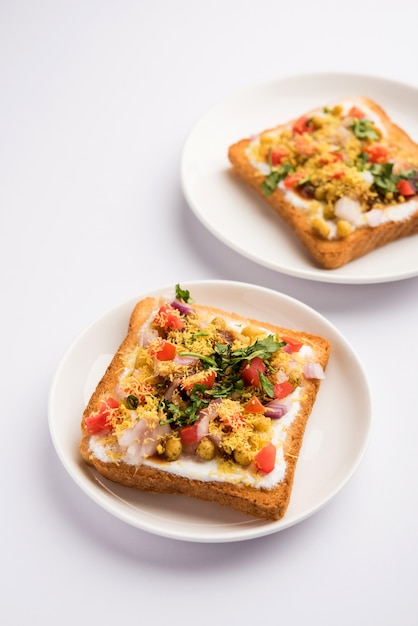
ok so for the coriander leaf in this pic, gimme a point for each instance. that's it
(275, 177)
(408, 174)
(266, 385)
(364, 129)
(183, 294)
(383, 177)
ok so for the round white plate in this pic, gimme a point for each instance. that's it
(335, 440)
(241, 219)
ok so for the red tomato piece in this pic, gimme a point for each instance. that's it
(356, 112)
(265, 460)
(169, 317)
(206, 377)
(112, 403)
(250, 372)
(278, 154)
(97, 423)
(282, 390)
(331, 157)
(163, 350)
(167, 352)
(406, 188)
(234, 421)
(254, 406)
(377, 153)
(188, 434)
(293, 179)
(303, 125)
(101, 421)
(292, 345)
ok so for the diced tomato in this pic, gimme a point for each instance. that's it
(205, 377)
(265, 460)
(188, 434)
(356, 112)
(337, 175)
(163, 350)
(294, 179)
(282, 390)
(100, 421)
(254, 406)
(278, 154)
(377, 153)
(406, 188)
(331, 157)
(235, 420)
(169, 317)
(97, 423)
(251, 370)
(111, 403)
(292, 345)
(305, 145)
(303, 125)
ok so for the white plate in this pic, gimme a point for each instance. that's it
(335, 439)
(240, 219)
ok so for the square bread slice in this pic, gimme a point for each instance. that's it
(205, 403)
(344, 177)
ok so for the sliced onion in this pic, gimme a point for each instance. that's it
(313, 370)
(147, 335)
(185, 360)
(281, 376)
(182, 307)
(275, 409)
(205, 416)
(130, 435)
(171, 388)
(149, 446)
(374, 217)
(348, 209)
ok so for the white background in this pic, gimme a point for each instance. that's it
(96, 101)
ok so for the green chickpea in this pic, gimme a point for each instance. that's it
(242, 457)
(173, 448)
(206, 449)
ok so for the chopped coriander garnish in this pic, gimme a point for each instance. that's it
(266, 385)
(383, 177)
(183, 294)
(364, 129)
(227, 363)
(275, 177)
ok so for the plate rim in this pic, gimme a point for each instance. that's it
(309, 273)
(231, 534)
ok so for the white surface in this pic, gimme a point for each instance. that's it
(242, 220)
(97, 99)
(334, 443)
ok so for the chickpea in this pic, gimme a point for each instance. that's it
(242, 457)
(321, 226)
(320, 193)
(173, 448)
(329, 213)
(317, 121)
(206, 449)
(343, 228)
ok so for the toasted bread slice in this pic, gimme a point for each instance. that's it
(343, 177)
(205, 403)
